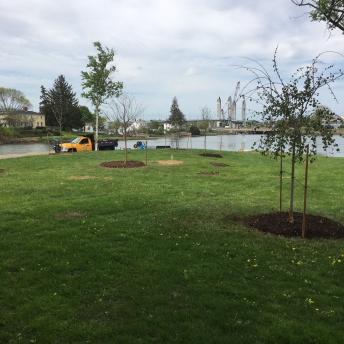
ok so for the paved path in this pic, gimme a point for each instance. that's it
(21, 155)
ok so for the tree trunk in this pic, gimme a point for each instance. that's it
(281, 184)
(292, 186)
(205, 141)
(96, 135)
(304, 222)
(125, 147)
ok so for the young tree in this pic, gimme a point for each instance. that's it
(206, 115)
(288, 109)
(125, 110)
(330, 11)
(61, 102)
(12, 100)
(97, 83)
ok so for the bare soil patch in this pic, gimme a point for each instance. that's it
(170, 162)
(2, 171)
(122, 164)
(219, 164)
(212, 155)
(317, 226)
(211, 173)
(81, 177)
(70, 215)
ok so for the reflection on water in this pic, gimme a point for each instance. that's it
(234, 143)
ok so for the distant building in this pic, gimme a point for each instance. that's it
(22, 119)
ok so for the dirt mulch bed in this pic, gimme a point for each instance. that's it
(219, 164)
(122, 164)
(317, 226)
(170, 162)
(211, 155)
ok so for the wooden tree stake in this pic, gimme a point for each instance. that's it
(305, 196)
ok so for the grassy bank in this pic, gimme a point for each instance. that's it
(154, 255)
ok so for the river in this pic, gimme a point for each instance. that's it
(220, 142)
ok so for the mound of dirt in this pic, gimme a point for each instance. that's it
(122, 164)
(170, 162)
(211, 155)
(219, 164)
(317, 226)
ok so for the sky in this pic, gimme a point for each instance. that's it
(190, 49)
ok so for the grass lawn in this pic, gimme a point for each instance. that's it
(154, 255)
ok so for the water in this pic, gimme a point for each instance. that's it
(220, 143)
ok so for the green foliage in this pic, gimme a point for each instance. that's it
(86, 115)
(292, 110)
(156, 127)
(329, 11)
(177, 118)
(97, 82)
(61, 105)
(194, 131)
(155, 255)
(12, 100)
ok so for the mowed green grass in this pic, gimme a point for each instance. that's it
(155, 255)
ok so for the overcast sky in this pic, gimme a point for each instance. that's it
(165, 48)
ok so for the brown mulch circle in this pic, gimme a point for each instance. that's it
(212, 173)
(122, 164)
(219, 164)
(317, 226)
(211, 155)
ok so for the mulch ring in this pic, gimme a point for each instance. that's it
(211, 155)
(219, 164)
(211, 173)
(122, 164)
(317, 226)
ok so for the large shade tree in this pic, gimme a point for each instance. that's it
(12, 100)
(290, 107)
(97, 81)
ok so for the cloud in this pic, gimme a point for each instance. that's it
(183, 48)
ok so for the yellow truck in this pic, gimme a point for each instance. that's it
(85, 144)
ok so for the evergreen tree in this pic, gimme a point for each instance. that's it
(45, 109)
(60, 105)
(177, 118)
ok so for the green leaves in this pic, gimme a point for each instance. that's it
(97, 83)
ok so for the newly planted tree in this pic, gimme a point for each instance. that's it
(97, 81)
(124, 110)
(206, 115)
(292, 111)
